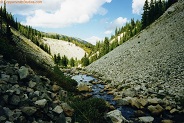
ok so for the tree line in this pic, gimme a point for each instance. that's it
(65, 62)
(153, 10)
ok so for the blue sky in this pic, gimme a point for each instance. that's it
(90, 20)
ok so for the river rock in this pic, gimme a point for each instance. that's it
(56, 88)
(129, 93)
(2, 119)
(67, 109)
(124, 101)
(13, 79)
(15, 100)
(118, 97)
(29, 110)
(61, 119)
(32, 84)
(143, 102)
(153, 100)
(146, 119)
(8, 112)
(116, 117)
(23, 72)
(17, 114)
(135, 103)
(174, 110)
(58, 109)
(84, 87)
(68, 119)
(41, 102)
(5, 77)
(155, 110)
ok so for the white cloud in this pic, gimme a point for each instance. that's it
(108, 32)
(60, 13)
(137, 6)
(117, 23)
(93, 39)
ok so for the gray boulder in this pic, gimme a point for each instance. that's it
(58, 109)
(15, 100)
(146, 119)
(41, 102)
(23, 72)
(29, 110)
(155, 110)
(116, 117)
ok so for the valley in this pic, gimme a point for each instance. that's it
(137, 75)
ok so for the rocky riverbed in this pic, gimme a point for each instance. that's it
(136, 102)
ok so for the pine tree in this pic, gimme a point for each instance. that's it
(85, 60)
(145, 15)
(116, 31)
(105, 49)
(58, 59)
(72, 62)
(151, 12)
(64, 61)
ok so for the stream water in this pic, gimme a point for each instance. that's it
(127, 111)
(97, 91)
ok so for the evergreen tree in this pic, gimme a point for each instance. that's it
(64, 61)
(151, 12)
(72, 62)
(116, 32)
(145, 20)
(55, 59)
(85, 60)
(132, 23)
(58, 59)
(105, 49)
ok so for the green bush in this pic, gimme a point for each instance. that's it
(6, 48)
(90, 111)
(64, 81)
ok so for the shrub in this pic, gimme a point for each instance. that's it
(90, 110)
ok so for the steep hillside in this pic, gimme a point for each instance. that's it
(64, 48)
(154, 57)
(31, 50)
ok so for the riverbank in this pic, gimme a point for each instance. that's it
(137, 103)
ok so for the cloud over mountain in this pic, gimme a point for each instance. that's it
(62, 13)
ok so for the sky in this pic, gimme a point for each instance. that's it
(90, 20)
